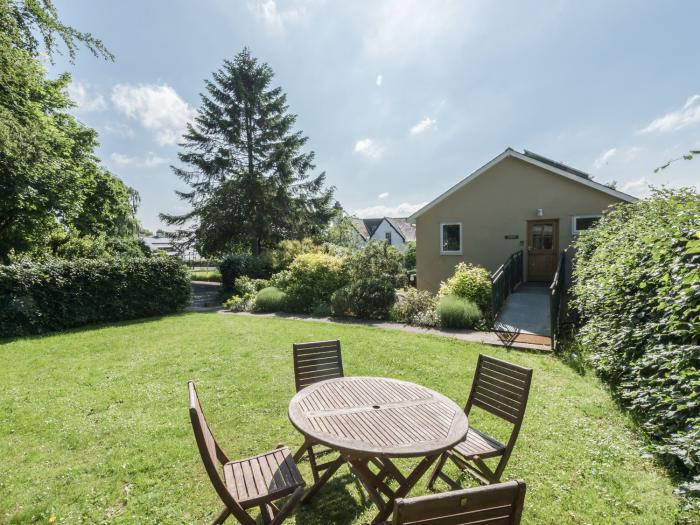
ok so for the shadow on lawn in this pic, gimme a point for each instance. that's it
(90, 327)
(334, 503)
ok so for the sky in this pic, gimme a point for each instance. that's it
(402, 99)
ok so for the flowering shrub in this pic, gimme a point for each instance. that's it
(415, 307)
(311, 280)
(470, 282)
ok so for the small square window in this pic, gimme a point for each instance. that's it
(387, 237)
(581, 223)
(451, 238)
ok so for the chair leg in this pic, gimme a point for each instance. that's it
(221, 517)
(266, 513)
(288, 507)
(437, 469)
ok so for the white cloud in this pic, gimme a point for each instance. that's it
(273, 17)
(401, 210)
(157, 107)
(380, 79)
(604, 158)
(687, 115)
(118, 129)
(368, 148)
(383, 195)
(149, 161)
(638, 188)
(86, 101)
(400, 29)
(423, 125)
(632, 153)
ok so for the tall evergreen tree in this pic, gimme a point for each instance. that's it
(250, 181)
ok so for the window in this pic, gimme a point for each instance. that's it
(387, 237)
(451, 238)
(580, 223)
(542, 236)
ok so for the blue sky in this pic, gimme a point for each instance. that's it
(401, 99)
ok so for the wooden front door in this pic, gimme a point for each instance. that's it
(542, 249)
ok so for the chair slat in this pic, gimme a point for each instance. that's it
(316, 361)
(494, 504)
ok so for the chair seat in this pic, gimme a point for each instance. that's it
(479, 444)
(262, 478)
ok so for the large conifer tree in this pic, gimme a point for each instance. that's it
(250, 182)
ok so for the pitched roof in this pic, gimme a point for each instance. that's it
(359, 225)
(403, 227)
(536, 160)
(372, 224)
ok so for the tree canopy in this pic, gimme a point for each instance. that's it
(50, 177)
(250, 183)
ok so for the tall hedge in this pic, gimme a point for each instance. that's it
(637, 288)
(37, 298)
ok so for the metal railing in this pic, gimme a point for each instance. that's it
(504, 280)
(556, 300)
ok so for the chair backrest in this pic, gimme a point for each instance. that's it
(498, 504)
(500, 388)
(212, 455)
(318, 361)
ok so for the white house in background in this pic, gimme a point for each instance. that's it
(396, 231)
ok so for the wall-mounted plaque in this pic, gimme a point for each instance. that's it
(512, 236)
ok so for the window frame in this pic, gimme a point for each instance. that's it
(387, 237)
(575, 231)
(442, 239)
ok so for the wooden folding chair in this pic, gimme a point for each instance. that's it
(253, 482)
(314, 362)
(499, 504)
(502, 389)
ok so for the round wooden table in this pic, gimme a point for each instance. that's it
(372, 419)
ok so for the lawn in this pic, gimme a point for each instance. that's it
(206, 275)
(94, 425)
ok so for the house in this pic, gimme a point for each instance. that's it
(517, 201)
(397, 231)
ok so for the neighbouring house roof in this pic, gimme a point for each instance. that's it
(372, 224)
(536, 160)
(404, 228)
(359, 225)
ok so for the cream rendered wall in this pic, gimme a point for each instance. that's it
(495, 204)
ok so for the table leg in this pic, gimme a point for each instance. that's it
(375, 484)
(332, 467)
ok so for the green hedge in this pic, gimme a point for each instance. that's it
(37, 298)
(637, 288)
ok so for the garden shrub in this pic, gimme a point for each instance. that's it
(340, 301)
(377, 260)
(44, 297)
(240, 303)
(311, 280)
(637, 290)
(412, 307)
(409, 256)
(456, 312)
(470, 282)
(288, 250)
(245, 285)
(234, 266)
(371, 298)
(271, 299)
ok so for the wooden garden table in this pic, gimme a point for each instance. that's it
(369, 421)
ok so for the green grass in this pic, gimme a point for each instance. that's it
(94, 425)
(206, 275)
